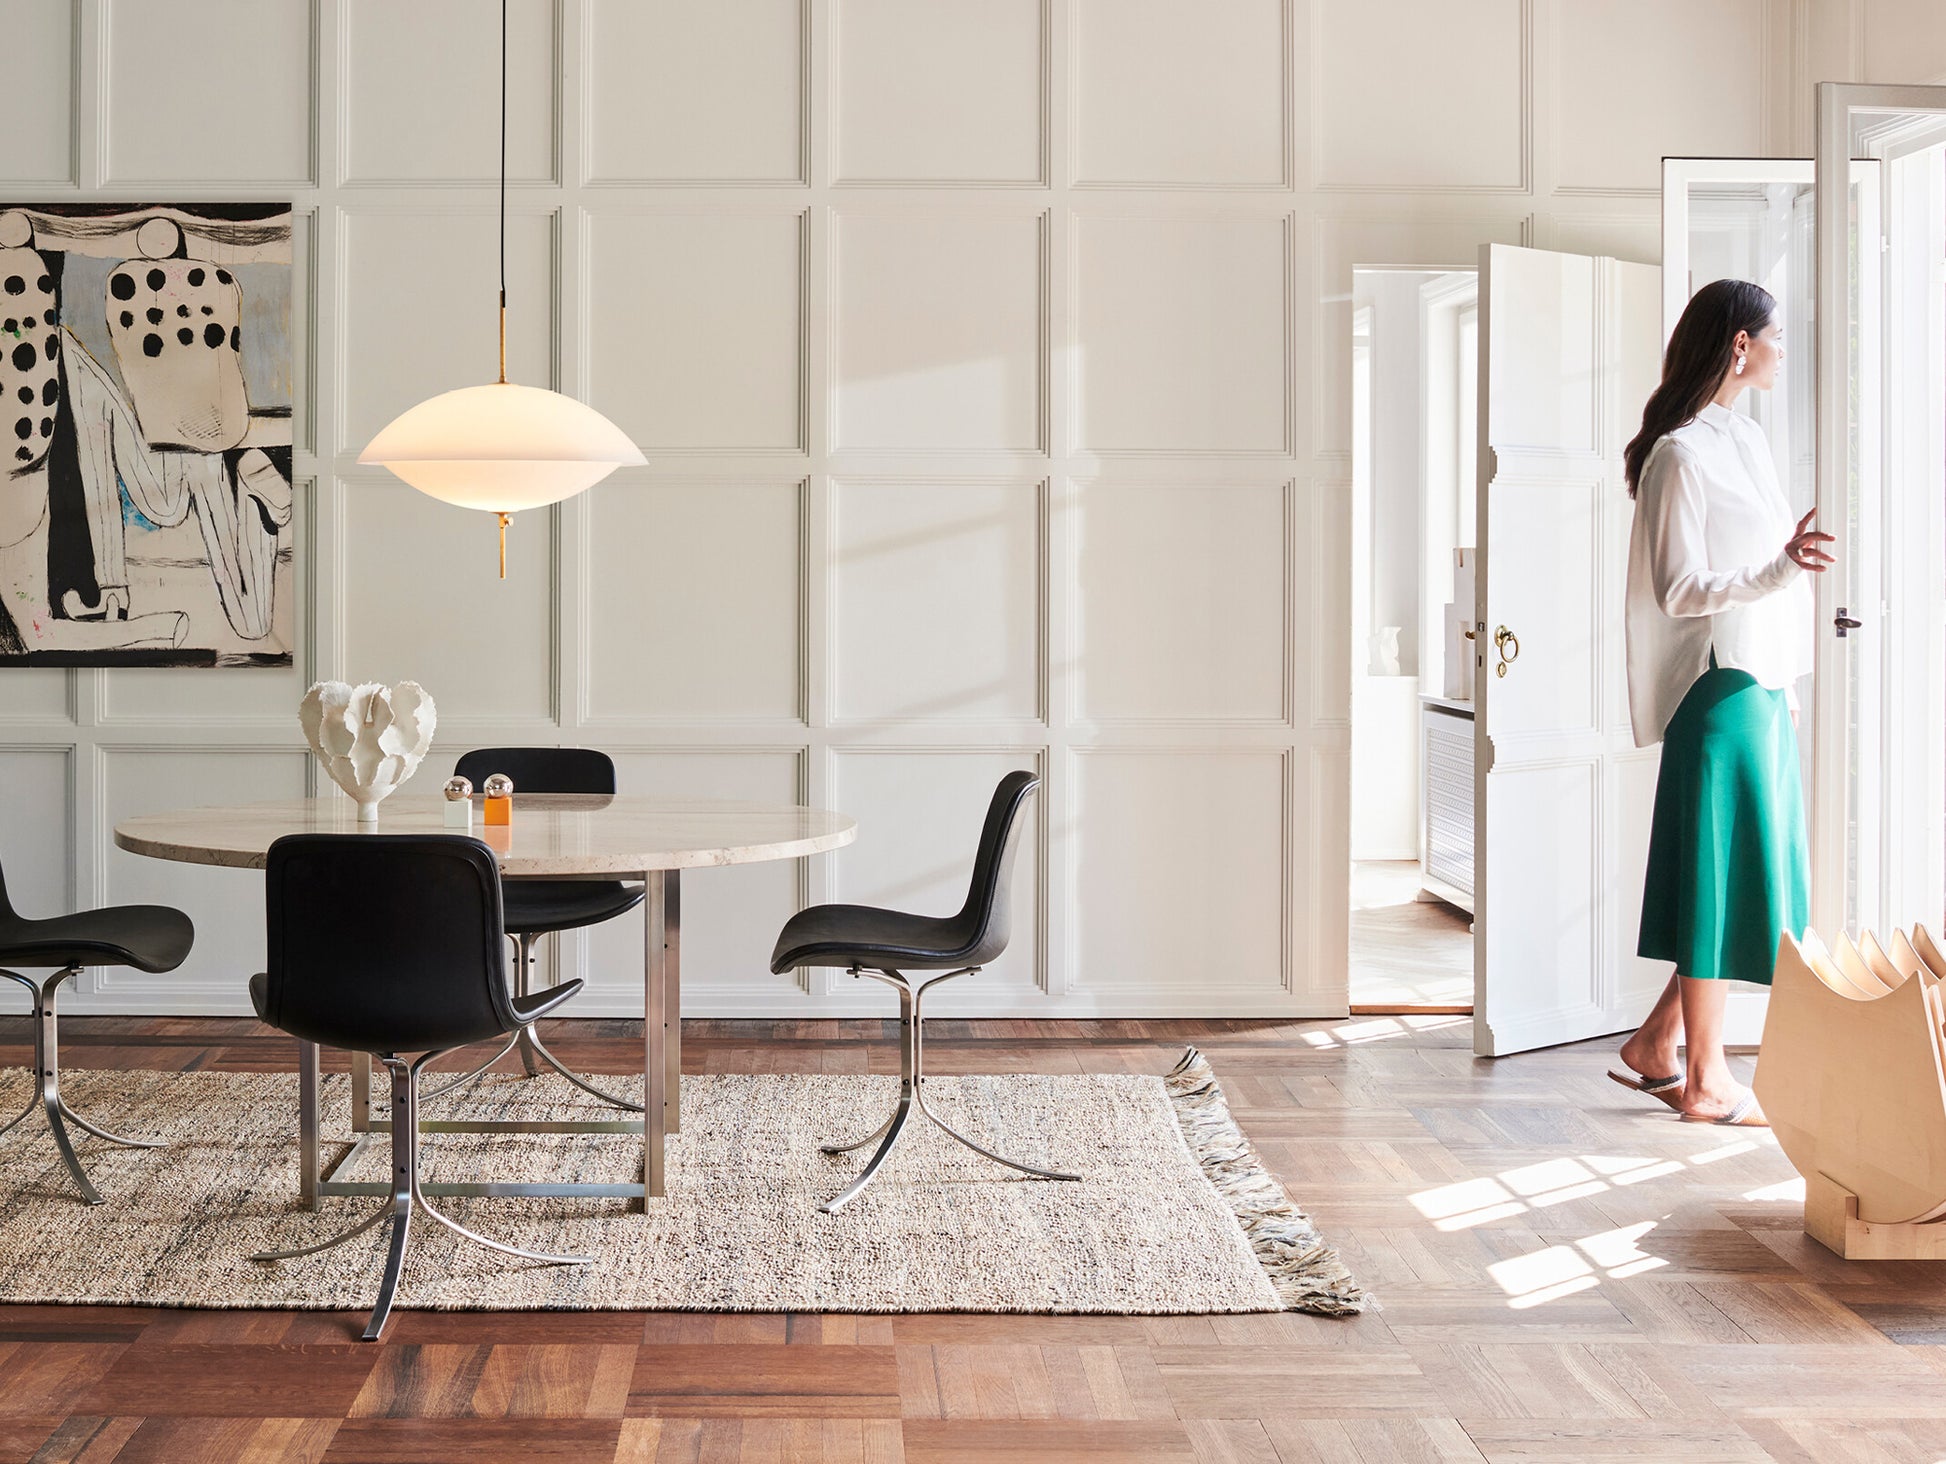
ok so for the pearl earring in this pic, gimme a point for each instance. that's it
(1739, 366)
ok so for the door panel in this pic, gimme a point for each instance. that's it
(1751, 219)
(1878, 784)
(1569, 348)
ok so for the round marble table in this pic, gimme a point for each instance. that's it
(553, 836)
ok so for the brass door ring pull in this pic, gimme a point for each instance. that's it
(1508, 645)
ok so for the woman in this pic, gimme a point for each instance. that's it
(1719, 631)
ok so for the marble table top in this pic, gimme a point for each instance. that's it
(551, 833)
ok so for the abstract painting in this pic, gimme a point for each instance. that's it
(145, 432)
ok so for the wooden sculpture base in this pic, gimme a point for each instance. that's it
(1831, 1219)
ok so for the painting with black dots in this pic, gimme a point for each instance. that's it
(145, 428)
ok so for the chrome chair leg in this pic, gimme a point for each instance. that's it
(530, 1040)
(32, 1103)
(47, 1083)
(858, 1143)
(912, 1092)
(407, 1196)
(47, 1063)
(114, 1138)
(464, 1078)
(918, 1040)
(908, 1082)
(377, 1216)
(533, 1052)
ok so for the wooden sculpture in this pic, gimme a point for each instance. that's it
(1853, 1079)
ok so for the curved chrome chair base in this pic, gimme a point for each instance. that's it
(47, 1084)
(533, 1052)
(406, 1197)
(912, 1094)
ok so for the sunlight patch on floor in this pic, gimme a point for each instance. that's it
(1561, 1270)
(1360, 1030)
(1532, 1187)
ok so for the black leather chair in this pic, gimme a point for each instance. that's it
(885, 944)
(151, 938)
(391, 944)
(537, 907)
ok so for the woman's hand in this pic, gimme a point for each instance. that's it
(1803, 547)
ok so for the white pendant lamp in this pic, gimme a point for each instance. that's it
(502, 447)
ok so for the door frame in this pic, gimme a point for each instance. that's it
(1744, 1013)
(1834, 174)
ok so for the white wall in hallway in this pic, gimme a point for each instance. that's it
(990, 357)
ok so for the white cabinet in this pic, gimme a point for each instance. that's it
(1446, 754)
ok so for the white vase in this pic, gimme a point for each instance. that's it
(1385, 651)
(370, 738)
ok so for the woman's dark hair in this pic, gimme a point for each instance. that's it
(1698, 357)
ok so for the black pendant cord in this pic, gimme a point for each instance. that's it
(505, 518)
(503, 196)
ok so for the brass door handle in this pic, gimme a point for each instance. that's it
(1508, 644)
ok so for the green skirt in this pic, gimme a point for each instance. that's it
(1729, 870)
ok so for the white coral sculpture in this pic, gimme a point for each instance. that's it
(370, 738)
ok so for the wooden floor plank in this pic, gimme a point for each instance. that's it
(1567, 1273)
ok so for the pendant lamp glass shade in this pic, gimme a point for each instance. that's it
(501, 447)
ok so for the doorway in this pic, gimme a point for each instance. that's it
(1415, 352)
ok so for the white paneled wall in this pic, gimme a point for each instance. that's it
(990, 357)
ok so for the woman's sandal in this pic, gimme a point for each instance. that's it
(1668, 1090)
(1744, 1113)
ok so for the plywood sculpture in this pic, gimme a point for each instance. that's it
(1853, 1079)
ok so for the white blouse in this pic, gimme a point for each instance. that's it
(1707, 569)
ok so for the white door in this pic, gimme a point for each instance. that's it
(1752, 219)
(1878, 786)
(1569, 351)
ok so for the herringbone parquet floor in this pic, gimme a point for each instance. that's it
(1567, 1274)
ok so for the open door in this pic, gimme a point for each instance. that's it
(1754, 219)
(1878, 785)
(1570, 348)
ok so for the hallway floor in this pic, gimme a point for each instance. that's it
(1565, 1273)
(1405, 951)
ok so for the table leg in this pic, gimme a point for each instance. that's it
(672, 999)
(655, 1029)
(307, 1124)
(361, 1092)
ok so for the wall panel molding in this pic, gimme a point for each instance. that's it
(1233, 410)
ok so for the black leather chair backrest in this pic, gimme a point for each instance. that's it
(385, 942)
(988, 912)
(542, 769)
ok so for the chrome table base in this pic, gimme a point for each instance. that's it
(912, 1092)
(662, 1068)
(47, 1083)
(405, 1195)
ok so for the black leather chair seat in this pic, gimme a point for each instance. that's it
(538, 906)
(147, 937)
(860, 935)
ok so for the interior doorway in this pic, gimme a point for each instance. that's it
(1415, 353)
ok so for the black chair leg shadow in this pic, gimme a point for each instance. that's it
(47, 1084)
(527, 1041)
(912, 1093)
(406, 1198)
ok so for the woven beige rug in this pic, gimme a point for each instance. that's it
(1174, 1213)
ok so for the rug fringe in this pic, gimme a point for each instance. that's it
(1306, 1272)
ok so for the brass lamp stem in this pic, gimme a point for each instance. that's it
(503, 337)
(505, 519)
